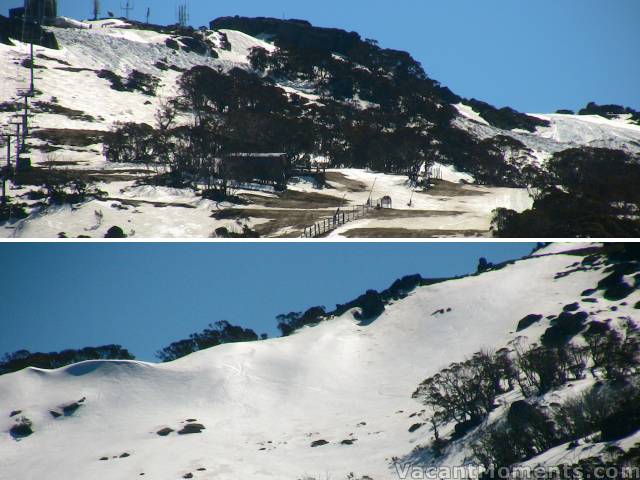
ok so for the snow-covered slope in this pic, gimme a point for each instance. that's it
(565, 131)
(73, 96)
(263, 404)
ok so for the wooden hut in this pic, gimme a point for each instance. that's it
(265, 168)
(385, 202)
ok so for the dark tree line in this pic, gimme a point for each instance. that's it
(587, 192)
(369, 305)
(24, 358)
(217, 334)
(611, 411)
(377, 109)
(465, 392)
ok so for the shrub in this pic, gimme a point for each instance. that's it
(564, 327)
(289, 323)
(525, 432)
(115, 232)
(542, 368)
(216, 334)
(466, 391)
(527, 321)
(23, 358)
(612, 409)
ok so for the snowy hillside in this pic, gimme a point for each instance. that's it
(327, 401)
(565, 131)
(78, 100)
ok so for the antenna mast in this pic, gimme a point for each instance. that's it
(183, 15)
(96, 9)
(127, 8)
(148, 14)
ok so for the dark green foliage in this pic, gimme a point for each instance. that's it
(589, 192)
(616, 354)
(13, 211)
(130, 143)
(115, 232)
(172, 44)
(564, 327)
(623, 422)
(219, 333)
(21, 429)
(571, 307)
(618, 464)
(142, 82)
(60, 186)
(290, 322)
(372, 304)
(527, 321)
(609, 111)
(415, 427)
(466, 391)
(23, 358)
(462, 428)
(614, 285)
(191, 428)
(541, 368)
(484, 265)
(506, 118)
(246, 232)
(612, 409)
(524, 433)
(403, 286)
(565, 111)
(528, 431)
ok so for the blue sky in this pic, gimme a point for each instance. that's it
(534, 56)
(145, 296)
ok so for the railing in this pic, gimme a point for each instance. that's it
(339, 218)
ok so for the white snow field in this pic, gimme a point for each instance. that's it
(67, 78)
(263, 404)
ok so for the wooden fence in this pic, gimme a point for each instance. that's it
(341, 217)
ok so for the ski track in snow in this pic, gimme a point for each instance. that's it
(284, 393)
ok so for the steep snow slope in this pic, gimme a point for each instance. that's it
(264, 403)
(565, 131)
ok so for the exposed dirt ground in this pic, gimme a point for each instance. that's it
(408, 233)
(292, 221)
(449, 189)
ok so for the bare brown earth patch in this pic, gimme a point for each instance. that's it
(294, 220)
(71, 137)
(389, 213)
(137, 203)
(450, 189)
(408, 233)
(295, 199)
(346, 182)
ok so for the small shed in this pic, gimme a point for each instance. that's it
(266, 168)
(385, 202)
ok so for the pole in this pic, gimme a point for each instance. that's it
(18, 148)
(371, 192)
(25, 117)
(8, 151)
(33, 87)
